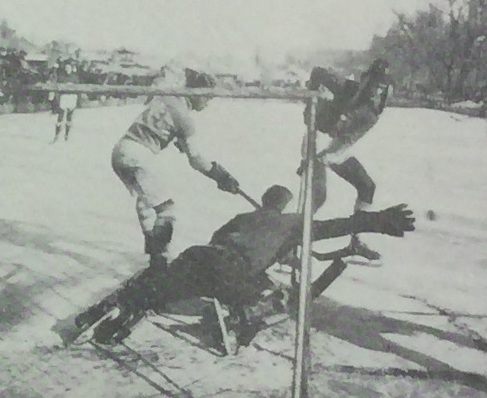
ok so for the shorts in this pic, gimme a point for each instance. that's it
(349, 130)
(135, 165)
(68, 101)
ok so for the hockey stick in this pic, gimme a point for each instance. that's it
(248, 199)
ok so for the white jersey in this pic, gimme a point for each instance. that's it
(164, 119)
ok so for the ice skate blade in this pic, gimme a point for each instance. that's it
(363, 262)
(87, 334)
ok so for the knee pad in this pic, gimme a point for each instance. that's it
(165, 212)
(146, 215)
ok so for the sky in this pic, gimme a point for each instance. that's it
(170, 28)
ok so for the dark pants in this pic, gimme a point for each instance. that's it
(69, 115)
(352, 171)
(209, 271)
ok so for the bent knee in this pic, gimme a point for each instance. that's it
(366, 191)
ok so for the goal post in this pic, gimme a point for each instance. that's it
(302, 360)
(301, 366)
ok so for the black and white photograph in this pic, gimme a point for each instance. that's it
(243, 198)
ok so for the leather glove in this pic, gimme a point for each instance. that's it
(225, 181)
(392, 221)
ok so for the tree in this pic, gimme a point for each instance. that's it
(438, 48)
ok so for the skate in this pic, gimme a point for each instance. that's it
(114, 331)
(358, 248)
(90, 316)
(138, 292)
(57, 133)
(221, 327)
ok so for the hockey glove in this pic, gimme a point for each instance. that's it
(392, 221)
(300, 169)
(223, 178)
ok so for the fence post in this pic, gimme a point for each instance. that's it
(302, 344)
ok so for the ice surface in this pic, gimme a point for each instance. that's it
(415, 327)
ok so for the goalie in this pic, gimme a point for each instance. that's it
(232, 267)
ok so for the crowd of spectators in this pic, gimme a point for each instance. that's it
(17, 71)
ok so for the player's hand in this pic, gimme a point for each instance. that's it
(225, 181)
(396, 220)
(393, 221)
(301, 168)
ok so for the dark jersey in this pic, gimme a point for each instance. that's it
(260, 237)
(348, 95)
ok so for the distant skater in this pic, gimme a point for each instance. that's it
(65, 104)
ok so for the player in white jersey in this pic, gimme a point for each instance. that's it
(165, 120)
(66, 103)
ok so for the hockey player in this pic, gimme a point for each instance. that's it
(3, 75)
(165, 120)
(346, 112)
(232, 267)
(66, 103)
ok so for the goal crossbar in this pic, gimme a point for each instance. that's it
(244, 93)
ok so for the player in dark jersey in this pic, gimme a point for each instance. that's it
(347, 111)
(232, 267)
(165, 120)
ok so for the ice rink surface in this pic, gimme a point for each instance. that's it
(415, 327)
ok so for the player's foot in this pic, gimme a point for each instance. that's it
(89, 317)
(112, 331)
(359, 248)
(210, 321)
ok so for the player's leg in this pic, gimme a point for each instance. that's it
(162, 232)
(352, 171)
(319, 179)
(153, 207)
(319, 186)
(146, 215)
(190, 275)
(135, 165)
(59, 124)
(69, 121)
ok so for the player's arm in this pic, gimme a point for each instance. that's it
(186, 143)
(393, 221)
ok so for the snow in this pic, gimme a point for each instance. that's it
(467, 104)
(415, 327)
